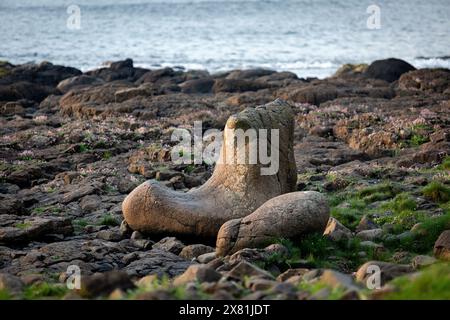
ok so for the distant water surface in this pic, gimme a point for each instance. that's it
(310, 38)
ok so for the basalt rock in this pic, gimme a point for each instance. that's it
(234, 190)
(291, 215)
(388, 69)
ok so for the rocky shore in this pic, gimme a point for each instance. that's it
(373, 139)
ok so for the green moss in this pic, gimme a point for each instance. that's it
(429, 230)
(23, 225)
(109, 220)
(82, 147)
(322, 252)
(335, 293)
(402, 202)
(46, 209)
(437, 192)
(404, 214)
(377, 192)
(418, 139)
(445, 165)
(433, 283)
(80, 222)
(5, 295)
(107, 155)
(45, 290)
(350, 215)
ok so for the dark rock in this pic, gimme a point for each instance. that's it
(15, 230)
(90, 203)
(157, 262)
(428, 80)
(249, 74)
(102, 284)
(231, 85)
(79, 82)
(203, 85)
(389, 69)
(170, 244)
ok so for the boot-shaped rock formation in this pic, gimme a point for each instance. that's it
(290, 215)
(234, 190)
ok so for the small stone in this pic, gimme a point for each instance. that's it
(442, 246)
(125, 229)
(258, 284)
(102, 284)
(136, 235)
(336, 231)
(194, 250)
(206, 257)
(366, 224)
(90, 203)
(277, 249)
(422, 261)
(170, 244)
(109, 235)
(335, 279)
(245, 269)
(370, 235)
(143, 243)
(197, 272)
(11, 284)
(147, 281)
(312, 274)
(117, 294)
(291, 273)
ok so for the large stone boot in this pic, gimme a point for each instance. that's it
(234, 190)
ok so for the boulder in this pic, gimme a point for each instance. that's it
(388, 69)
(291, 215)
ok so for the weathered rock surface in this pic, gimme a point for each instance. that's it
(291, 215)
(233, 191)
